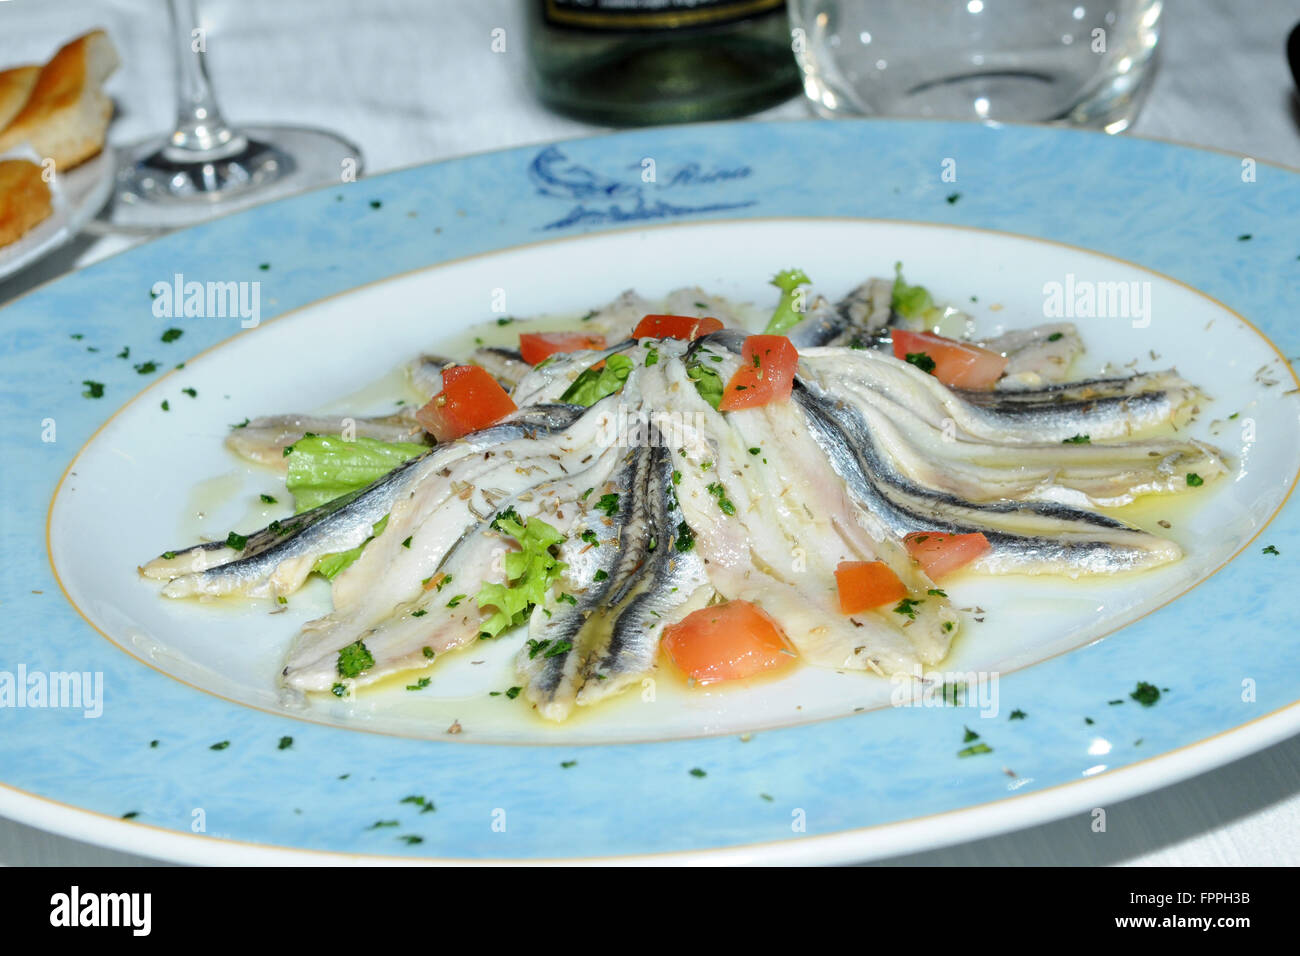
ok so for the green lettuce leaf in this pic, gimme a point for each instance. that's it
(909, 301)
(530, 572)
(323, 467)
(785, 316)
(331, 565)
(594, 384)
(707, 382)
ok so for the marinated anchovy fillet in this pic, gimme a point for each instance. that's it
(263, 440)
(617, 499)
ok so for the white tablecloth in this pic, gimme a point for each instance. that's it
(416, 80)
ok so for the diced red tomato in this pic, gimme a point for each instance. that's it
(537, 346)
(686, 327)
(766, 373)
(864, 585)
(958, 364)
(941, 554)
(470, 399)
(729, 641)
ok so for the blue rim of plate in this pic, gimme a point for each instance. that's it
(859, 786)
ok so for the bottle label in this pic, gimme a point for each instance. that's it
(652, 14)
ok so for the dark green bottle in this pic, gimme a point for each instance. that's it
(644, 62)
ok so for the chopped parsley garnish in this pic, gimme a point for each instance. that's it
(697, 772)
(125, 353)
(921, 360)
(166, 405)
(222, 745)
(513, 692)
(952, 198)
(1017, 714)
(147, 368)
(937, 592)
(685, 537)
(455, 602)
(969, 735)
(169, 555)
(171, 335)
(652, 356)
(756, 451)
(285, 743)
(93, 389)
(419, 612)
(1077, 440)
(339, 690)
(428, 652)
(600, 575)
(908, 606)
(1194, 479)
(420, 684)
(268, 499)
(354, 659)
(243, 424)
(1056, 336)
(677, 477)
(589, 536)
(236, 540)
(1146, 694)
(724, 503)
(191, 392)
(973, 749)
(558, 648)
(407, 542)
(608, 504)
(566, 764)
(1269, 549)
(536, 647)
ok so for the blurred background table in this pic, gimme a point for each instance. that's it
(416, 80)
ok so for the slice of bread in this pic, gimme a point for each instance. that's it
(15, 87)
(24, 198)
(66, 115)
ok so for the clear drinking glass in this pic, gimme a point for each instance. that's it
(1083, 62)
(205, 167)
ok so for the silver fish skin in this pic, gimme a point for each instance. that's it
(861, 317)
(551, 662)
(670, 583)
(424, 373)
(1052, 414)
(1041, 354)
(445, 615)
(277, 559)
(1026, 537)
(505, 365)
(789, 523)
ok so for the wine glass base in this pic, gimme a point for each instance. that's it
(155, 192)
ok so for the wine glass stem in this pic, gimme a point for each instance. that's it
(201, 134)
